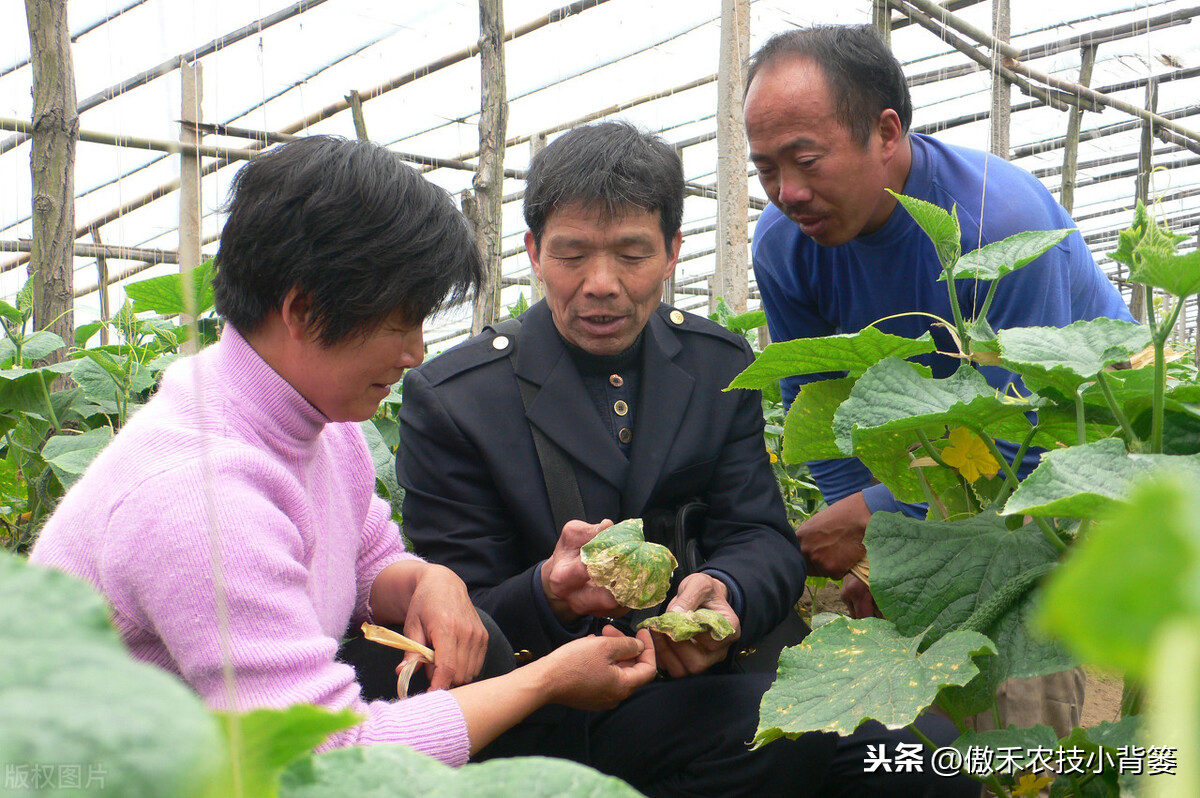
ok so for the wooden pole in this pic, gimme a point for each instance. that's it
(190, 211)
(1139, 296)
(356, 111)
(881, 18)
(1001, 88)
(537, 143)
(729, 276)
(52, 165)
(102, 286)
(1066, 195)
(489, 180)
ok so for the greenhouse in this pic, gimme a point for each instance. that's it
(1055, 524)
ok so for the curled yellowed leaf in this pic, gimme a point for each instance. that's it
(404, 676)
(385, 636)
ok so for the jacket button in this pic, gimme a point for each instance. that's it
(620, 408)
(677, 316)
(625, 435)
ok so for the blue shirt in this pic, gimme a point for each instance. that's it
(809, 290)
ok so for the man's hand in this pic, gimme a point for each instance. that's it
(700, 653)
(858, 598)
(565, 580)
(832, 540)
(436, 610)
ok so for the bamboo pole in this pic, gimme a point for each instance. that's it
(139, 143)
(112, 251)
(1067, 93)
(537, 143)
(1066, 192)
(489, 180)
(1139, 295)
(1001, 88)
(55, 130)
(171, 64)
(102, 287)
(356, 112)
(729, 277)
(190, 212)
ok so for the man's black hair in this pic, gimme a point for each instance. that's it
(863, 75)
(612, 166)
(357, 230)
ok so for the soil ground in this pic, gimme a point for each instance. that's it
(1102, 697)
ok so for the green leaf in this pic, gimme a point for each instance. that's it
(743, 323)
(941, 227)
(1177, 274)
(853, 353)
(385, 771)
(25, 390)
(977, 695)
(934, 574)
(1152, 545)
(848, 672)
(385, 463)
(808, 428)
(1144, 235)
(886, 454)
(70, 455)
(1084, 481)
(993, 261)
(637, 573)
(164, 295)
(10, 313)
(1066, 357)
(39, 344)
(84, 333)
(1010, 747)
(680, 626)
(893, 396)
(268, 740)
(71, 697)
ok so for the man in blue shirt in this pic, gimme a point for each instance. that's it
(827, 115)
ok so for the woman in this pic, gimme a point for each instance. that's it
(232, 524)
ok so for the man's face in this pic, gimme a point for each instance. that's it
(603, 276)
(809, 165)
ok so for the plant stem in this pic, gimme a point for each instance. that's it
(931, 498)
(1080, 423)
(1011, 476)
(1156, 407)
(1115, 407)
(930, 449)
(958, 317)
(1020, 457)
(49, 404)
(987, 301)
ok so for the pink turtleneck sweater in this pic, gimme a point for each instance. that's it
(228, 445)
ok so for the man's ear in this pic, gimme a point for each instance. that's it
(673, 254)
(891, 132)
(295, 312)
(532, 251)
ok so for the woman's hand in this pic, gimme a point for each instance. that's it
(600, 671)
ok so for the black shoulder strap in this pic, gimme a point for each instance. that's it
(566, 503)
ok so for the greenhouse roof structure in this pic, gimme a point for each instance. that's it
(276, 68)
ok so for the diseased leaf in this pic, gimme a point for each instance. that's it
(637, 573)
(1085, 481)
(1064, 358)
(930, 576)
(848, 672)
(680, 626)
(993, 261)
(853, 353)
(1151, 541)
(941, 227)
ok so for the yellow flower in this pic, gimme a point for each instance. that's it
(771, 455)
(1030, 784)
(970, 455)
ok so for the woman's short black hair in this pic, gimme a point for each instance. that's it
(863, 75)
(610, 165)
(357, 230)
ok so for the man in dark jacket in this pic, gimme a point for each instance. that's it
(626, 393)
